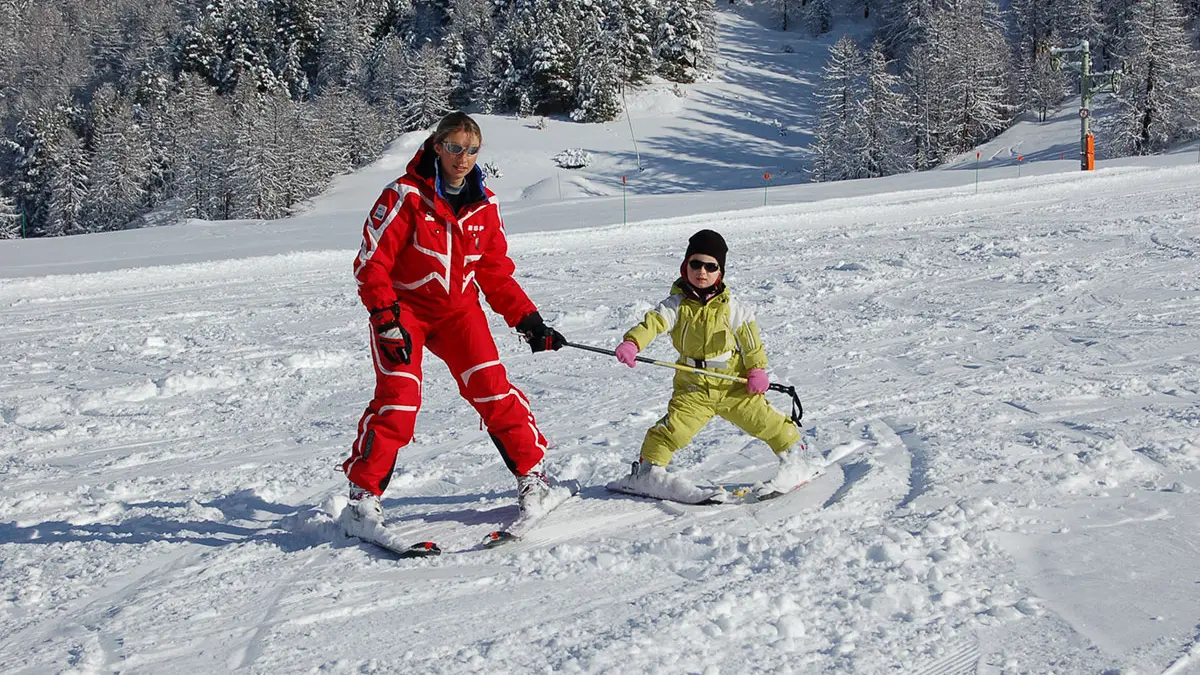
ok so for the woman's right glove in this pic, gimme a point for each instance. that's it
(395, 344)
(539, 336)
(627, 353)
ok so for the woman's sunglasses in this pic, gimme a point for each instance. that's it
(456, 149)
(708, 267)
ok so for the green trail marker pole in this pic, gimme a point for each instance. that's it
(624, 204)
(1087, 87)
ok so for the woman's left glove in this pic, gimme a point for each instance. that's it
(395, 344)
(540, 336)
(757, 381)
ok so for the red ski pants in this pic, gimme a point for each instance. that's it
(464, 341)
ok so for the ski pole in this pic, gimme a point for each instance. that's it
(797, 408)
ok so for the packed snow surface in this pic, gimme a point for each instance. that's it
(1023, 360)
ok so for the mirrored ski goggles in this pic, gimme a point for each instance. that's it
(709, 267)
(456, 149)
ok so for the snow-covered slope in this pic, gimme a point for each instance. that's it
(1020, 356)
(1023, 360)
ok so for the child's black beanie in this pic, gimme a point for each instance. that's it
(707, 242)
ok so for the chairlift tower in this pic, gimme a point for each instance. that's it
(1087, 142)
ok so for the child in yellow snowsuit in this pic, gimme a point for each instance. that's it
(710, 329)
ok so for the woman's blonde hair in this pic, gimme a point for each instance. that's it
(456, 121)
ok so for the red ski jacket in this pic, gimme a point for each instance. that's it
(417, 250)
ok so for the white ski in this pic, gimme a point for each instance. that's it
(835, 455)
(559, 493)
(377, 533)
(667, 486)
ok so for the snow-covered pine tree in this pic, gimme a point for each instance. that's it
(983, 70)
(294, 52)
(68, 182)
(554, 60)
(359, 129)
(472, 32)
(903, 25)
(200, 119)
(818, 16)
(1040, 85)
(120, 161)
(630, 24)
(931, 107)
(598, 88)
(1160, 92)
(10, 219)
(343, 47)
(882, 123)
(786, 13)
(1077, 20)
(839, 98)
(423, 93)
(385, 69)
(685, 38)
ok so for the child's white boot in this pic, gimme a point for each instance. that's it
(647, 479)
(796, 468)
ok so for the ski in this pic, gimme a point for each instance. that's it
(678, 490)
(659, 484)
(422, 549)
(559, 494)
(835, 456)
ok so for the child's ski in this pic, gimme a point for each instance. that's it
(835, 455)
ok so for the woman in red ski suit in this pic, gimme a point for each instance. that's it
(432, 242)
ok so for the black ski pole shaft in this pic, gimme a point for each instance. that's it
(797, 407)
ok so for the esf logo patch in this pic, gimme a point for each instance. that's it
(380, 212)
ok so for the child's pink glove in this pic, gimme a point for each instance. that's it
(627, 353)
(756, 381)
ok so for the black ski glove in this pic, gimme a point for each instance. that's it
(540, 336)
(395, 345)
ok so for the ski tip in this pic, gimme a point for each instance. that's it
(498, 537)
(424, 549)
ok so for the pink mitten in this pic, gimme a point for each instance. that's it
(627, 353)
(756, 381)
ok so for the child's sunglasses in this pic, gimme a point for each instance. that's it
(708, 267)
(456, 149)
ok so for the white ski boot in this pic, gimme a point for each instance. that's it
(795, 469)
(365, 506)
(646, 479)
(533, 491)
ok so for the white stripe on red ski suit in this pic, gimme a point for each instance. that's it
(417, 251)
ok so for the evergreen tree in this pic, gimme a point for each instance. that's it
(423, 93)
(630, 22)
(882, 121)
(120, 164)
(839, 97)
(927, 81)
(68, 181)
(10, 219)
(818, 16)
(554, 59)
(598, 93)
(1041, 86)
(982, 65)
(685, 39)
(1160, 93)
(786, 13)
